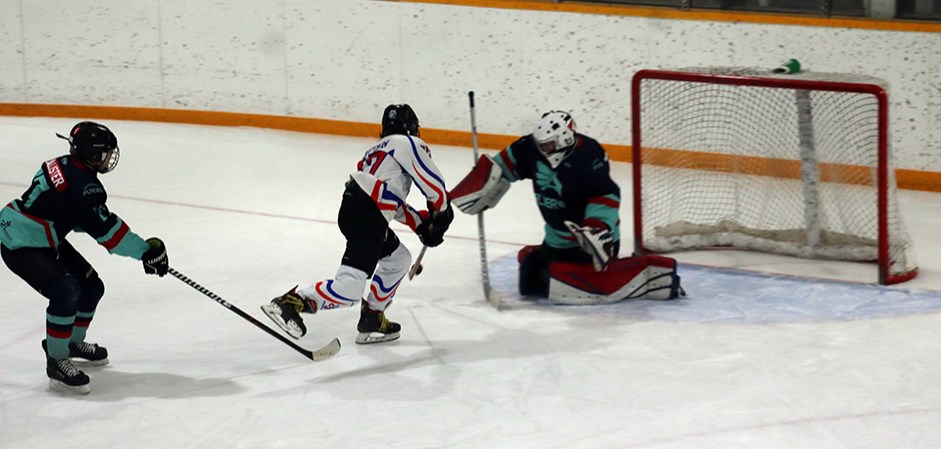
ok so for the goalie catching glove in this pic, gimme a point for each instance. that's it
(481, 189)
(433, 226)
(596, 241)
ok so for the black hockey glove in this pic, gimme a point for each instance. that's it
(431, 230)
(155, 259)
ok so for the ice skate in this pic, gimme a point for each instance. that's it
(285, 311)
(65, 377)
(373, 327)
(87, 354)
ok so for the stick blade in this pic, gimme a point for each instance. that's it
(329, 350)
(495, 299)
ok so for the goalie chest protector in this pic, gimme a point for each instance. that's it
(641, 277)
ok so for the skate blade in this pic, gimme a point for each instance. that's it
(274, 313)
(86, 363)
(365, 338)
(69, 389)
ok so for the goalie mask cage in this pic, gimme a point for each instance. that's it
(791, 164)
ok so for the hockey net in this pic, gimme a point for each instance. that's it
(793, 164)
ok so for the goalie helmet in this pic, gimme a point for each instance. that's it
(399, 119)
(94, 145)
(555, 136)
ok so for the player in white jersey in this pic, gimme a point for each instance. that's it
(374, 196)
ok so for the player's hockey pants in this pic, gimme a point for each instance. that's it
(373, 254)
(70, 284)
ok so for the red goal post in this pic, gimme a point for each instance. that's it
(795, 164)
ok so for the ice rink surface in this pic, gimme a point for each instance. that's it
(764, 352)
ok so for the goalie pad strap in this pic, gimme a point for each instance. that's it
(481, 189)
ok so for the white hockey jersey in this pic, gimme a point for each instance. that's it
(389, 168)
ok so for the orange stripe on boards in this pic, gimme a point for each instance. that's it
(696, 14)
(618, 152)
(464, 138)
(918, 180)
(757, 166)
(786, 168)
(907, 179)
(213, 118)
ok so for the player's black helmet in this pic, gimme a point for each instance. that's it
(94, 145)
(399, 119)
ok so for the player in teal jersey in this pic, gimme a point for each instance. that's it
(65, 195)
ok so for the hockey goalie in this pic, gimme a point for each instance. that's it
(577, 261)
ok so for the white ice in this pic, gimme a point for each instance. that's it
(797, 359)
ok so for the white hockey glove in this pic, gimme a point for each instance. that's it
(595, 241)
(481, 189)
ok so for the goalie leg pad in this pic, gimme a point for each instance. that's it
(481, 189)
(642, 277)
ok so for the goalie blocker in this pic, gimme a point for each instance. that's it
(481, 189)
(639, 277)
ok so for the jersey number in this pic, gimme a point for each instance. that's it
(371, 162)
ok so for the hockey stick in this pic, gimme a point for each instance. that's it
(493, 297)
(329, 350)
(416, 267)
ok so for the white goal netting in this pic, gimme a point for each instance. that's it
(791, 164)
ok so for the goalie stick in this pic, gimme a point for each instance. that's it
(329, 350)
(493, 296)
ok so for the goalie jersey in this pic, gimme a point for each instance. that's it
(579, 189)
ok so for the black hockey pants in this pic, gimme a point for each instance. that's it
(368, 237)
(62, 276)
